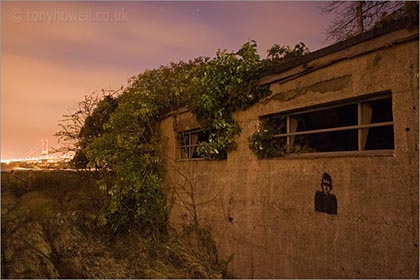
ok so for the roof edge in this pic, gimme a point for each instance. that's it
(393, 26)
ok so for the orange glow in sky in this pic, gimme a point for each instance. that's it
(55, 53)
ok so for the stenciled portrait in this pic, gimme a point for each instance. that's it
(325, 200)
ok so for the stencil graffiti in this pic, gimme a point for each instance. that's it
(325, 201)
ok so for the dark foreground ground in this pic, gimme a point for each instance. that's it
(48, 231)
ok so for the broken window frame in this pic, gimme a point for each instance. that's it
(364, 115)
(189, 148)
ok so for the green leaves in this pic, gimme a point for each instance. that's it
(128, 146)
(263, 143)
(279, 53)
(228, 84)
(90, 134)
(122, 136)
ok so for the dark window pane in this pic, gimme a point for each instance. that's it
(376, 138)
(274, 147)
(278, 124)
(189, 142)
(223, 154)
(380, 138)
(381, 110)
(328, 142)
(203, 136)
(185, 139)
(327, 118)
(194, 153)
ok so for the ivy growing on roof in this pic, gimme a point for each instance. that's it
(126, 146)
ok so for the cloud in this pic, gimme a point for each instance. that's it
(49, 63)
(148, 38)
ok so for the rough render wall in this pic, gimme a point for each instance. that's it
(261, 212)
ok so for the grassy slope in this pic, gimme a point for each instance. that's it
(48, 232)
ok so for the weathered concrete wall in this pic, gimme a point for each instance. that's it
(261, 212)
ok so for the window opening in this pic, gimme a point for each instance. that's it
(189, 141)
(362, 125)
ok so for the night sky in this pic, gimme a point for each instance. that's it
(55, 53)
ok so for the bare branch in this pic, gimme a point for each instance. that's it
(345, 24)
(72, 122)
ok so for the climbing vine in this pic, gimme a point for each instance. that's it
(264, 144)
(127, 145)
(228, 83)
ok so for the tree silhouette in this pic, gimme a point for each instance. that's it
(355, 17)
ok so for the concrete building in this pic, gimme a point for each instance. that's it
(352, 111)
